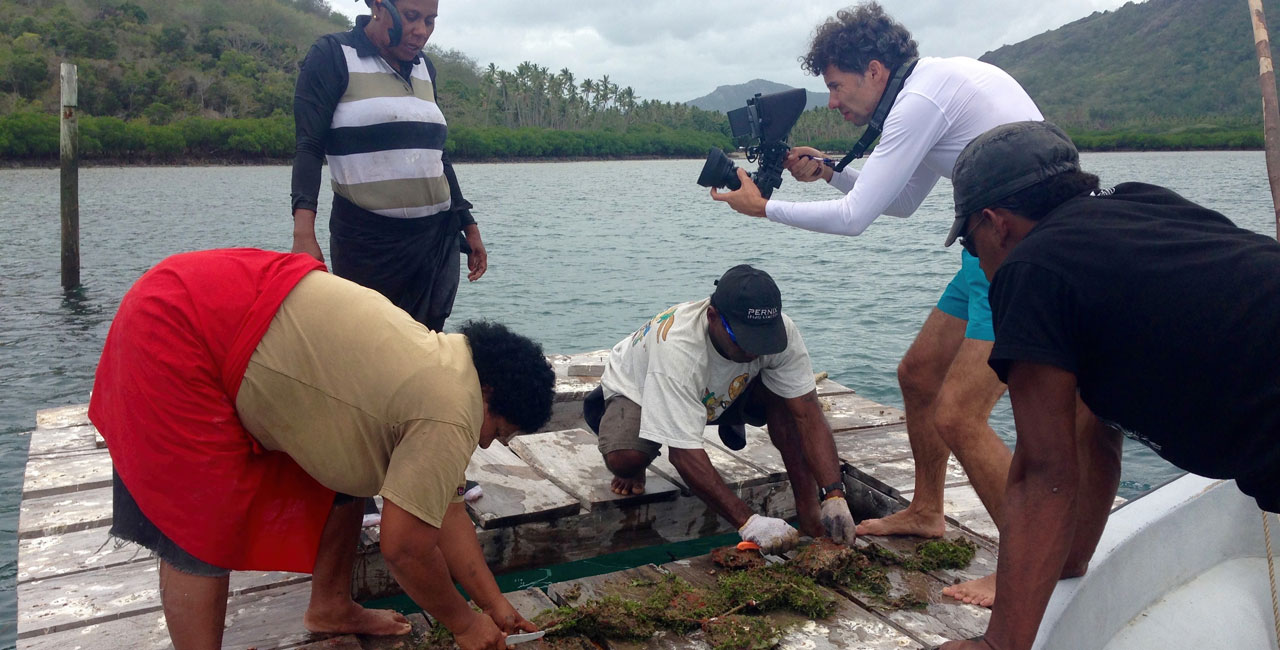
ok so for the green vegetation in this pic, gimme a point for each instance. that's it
(727, 615)
(213, 79)
(1156, 68)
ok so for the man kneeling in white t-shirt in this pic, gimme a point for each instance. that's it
(728, 359)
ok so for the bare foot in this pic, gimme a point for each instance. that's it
(627, 486)
(905, 522)
(981, 592)
(354, 619)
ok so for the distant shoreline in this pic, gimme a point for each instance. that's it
(196, 161)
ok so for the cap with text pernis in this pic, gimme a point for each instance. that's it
(749, 299)
(1004, 161)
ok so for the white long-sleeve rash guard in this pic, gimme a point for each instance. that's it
(945, 104)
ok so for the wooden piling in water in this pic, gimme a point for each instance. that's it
(1270, 111)
(70, 179)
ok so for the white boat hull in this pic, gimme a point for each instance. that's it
(1182, 567)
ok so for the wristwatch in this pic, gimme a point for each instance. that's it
(825, 490)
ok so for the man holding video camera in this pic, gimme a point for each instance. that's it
(939, 106)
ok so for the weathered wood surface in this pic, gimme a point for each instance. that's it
(64, 513)
(61, 473)
(735, 472)
(62, 416)
(514, 492)
(759, 451)
(52, 555)
(548, 502)
(76, 600)
(853, 411)
(570, 460)
(265, 619)
(45, 441)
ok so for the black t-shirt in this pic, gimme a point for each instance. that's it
(1168, 315)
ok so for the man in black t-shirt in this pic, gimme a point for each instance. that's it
(1158, 313)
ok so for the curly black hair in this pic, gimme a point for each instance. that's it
(855, 37)
(513, 367)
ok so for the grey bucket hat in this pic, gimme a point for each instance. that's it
(1004, 161)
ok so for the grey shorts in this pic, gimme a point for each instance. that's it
(620, 429)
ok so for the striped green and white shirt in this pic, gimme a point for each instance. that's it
(379, 128)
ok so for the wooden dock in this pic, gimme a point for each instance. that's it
(546, 501)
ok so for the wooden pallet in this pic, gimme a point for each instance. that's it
(546, 502)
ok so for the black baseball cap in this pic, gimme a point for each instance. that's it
(749, 299)
(1004, 161)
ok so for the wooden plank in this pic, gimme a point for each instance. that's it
(580, 364)
(849, 625)
(63, 473)
(63, 440)
(266, 620)
(869, 446)
(514, 492)
(127, 590)
(64, 513)
(736, 474)
(893, 476)
(143, 632)
(570, 460)
(53, 555)
(826, 387)
(853, 411)
(62, 416)
(530, 602)
(759, 451)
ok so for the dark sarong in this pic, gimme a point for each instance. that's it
(413, 262)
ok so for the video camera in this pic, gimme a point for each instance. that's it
(762, 128)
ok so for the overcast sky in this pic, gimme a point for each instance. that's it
(677, 50)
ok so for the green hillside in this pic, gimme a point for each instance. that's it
(166, 81)
(159, 58)
(1162, 64)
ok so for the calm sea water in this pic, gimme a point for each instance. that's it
(580, 254)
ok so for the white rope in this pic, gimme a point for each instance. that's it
(1271, 572)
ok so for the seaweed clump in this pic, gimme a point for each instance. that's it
(723, 613)
(943, 554)
(836, 565)
(863, 569)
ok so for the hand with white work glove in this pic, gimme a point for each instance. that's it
(838, 521)
(771, 534)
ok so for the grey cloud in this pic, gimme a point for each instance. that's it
(676, 50)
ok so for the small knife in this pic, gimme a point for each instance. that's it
(513, 639)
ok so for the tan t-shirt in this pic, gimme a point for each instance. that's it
(367, 400)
